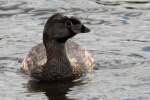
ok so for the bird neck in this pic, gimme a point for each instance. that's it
(55, 52)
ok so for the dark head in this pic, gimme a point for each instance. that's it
(61, 28)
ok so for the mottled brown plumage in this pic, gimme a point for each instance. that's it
(58, 58)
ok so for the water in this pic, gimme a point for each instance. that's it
(119, 42)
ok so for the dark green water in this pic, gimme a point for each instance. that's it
(119, 42)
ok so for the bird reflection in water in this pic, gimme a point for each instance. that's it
(54, 90)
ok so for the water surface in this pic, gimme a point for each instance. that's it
(119, 42)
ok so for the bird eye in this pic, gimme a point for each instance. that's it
(68, 23)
